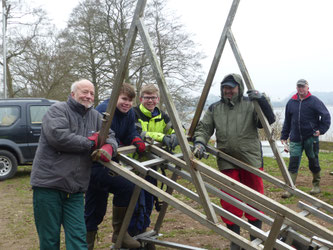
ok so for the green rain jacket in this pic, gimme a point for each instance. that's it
(235, 123)
(154, 127)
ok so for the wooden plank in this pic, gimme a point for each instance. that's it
(260, 200)
(272, 204)
(275, 230)
(186, 209)
(213, 67)
(128, 216)
(164, 207)
(305, 196)
(187, 154)
(218, 193)
(263, 120)
(169, 245)
(314, 211)
(122, 69)
(190, 194)
(242, 205)
(180, 189)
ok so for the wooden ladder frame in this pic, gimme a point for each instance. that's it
(204, 178)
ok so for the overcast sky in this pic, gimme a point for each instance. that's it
(281, 41)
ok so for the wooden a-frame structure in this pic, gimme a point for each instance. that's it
(286, 226)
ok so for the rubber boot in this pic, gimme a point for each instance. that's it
(287, 194)
(118, 214)
(331, 173)
(256, 223)
(235, 228)
(91, 239)
(315, 183)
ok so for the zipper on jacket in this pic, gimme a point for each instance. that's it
(299, 119)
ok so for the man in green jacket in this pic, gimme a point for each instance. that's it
(236, 124)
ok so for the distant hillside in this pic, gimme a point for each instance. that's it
(326, 97)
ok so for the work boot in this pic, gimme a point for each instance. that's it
(315, 183)
(118, 214)
(235, 228)
(293, 178)
(91, 239)
(256, 223)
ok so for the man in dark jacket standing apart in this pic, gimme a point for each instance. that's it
(306, 117)
(102, 183)
(62, 165)
(235, 123)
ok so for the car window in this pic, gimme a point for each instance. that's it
(9, 115)
(37, 113)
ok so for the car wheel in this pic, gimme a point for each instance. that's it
(8, 165)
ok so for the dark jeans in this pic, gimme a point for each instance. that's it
(96, 199)
(311, 148)
(53, 208)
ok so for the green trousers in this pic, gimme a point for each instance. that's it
(311, 148)
(53, 208)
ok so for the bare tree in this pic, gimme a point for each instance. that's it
(45, 69)
(177, 54)
(23, 25)
(84, 37)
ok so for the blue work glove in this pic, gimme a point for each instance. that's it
(199, 150)
(254, 94)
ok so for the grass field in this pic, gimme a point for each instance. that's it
(18, 231)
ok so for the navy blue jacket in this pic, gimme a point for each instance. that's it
(122, 124)
(304, 117)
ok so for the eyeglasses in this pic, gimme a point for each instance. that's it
(146, 98)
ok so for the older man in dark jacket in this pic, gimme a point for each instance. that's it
(306, 117)
(62, 165)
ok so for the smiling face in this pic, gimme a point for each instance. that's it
(124, 103)
(229, 92)
(302, 90)
(149, 101)
(84, 93)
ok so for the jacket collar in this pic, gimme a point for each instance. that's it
(78, 107)
(149, 114)
(296, 97)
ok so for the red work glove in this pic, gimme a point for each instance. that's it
(139, 144)
(103, 154)
(94, 140)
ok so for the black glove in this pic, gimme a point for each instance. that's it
(254, 94)
(199, 150)
(174, 141)
(167, 142)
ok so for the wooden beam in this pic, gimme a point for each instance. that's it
(177, 126)
(263, 120)
(269, 243)
(213, 67)
(121, 72)
(186, 209)
(302, 195)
